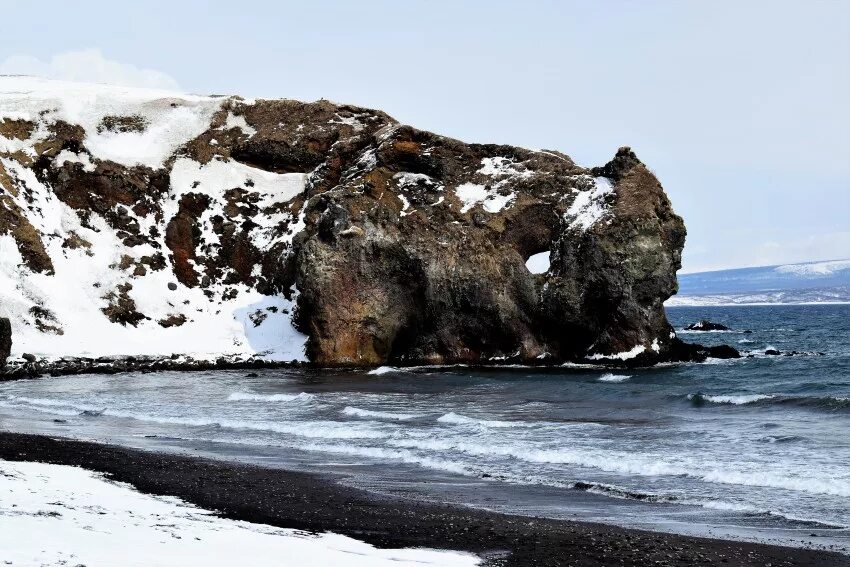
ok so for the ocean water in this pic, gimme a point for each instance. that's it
(757, 448)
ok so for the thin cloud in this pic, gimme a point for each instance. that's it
(87, 65)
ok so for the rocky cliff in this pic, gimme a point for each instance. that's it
(5, 340)
(141, 222)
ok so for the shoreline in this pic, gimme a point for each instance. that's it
(30, 366)
(312, 503)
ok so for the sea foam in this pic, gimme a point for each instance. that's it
(457, 419)
(252, 397)
(614, 377)
(734, 399)
(358, 412)
(381, 370)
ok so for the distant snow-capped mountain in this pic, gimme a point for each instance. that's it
(809, 282)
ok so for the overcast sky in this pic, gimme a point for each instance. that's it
(741, 108)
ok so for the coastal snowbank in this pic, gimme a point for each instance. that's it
(61, 515)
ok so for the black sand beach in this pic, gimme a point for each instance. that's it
(309, 502)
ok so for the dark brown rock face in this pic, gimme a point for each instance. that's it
(425, 277)
(5, 340)
(402, 246)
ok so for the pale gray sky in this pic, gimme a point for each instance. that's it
(741, 108)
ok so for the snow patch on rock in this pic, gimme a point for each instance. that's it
(471, 194)
(167, 120)
(503, 166)
(66, 156)
(218, 176)
(210, 328)
(407, 180)
(589, 207)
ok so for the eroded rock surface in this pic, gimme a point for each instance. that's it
(5, 340)
(378, 242)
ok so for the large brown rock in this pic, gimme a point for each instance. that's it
(405, 273)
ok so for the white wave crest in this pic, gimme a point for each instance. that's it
(358, 412)
(48, 410)
(307, 429)
(614, 377)
(734, 399)
(390, 453)
(457, 419)
(252, 397)
(632, 464)
(381, 370)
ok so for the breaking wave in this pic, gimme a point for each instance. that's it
(409, 451)
(826, 403)
(635, 464)
(307, 429)
(457, 419)
(734, 399)
(357, 412)
(381, 370)
(401, 455)
(618, 492)
(613, 378)
(628, 494)
(252, 397)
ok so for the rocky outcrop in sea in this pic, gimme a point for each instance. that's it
(146, 223)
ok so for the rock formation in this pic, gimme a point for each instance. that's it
(318, 230)
(5, 340)
(705, 325)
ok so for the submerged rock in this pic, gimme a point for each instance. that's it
(395, 245)
(686, 352)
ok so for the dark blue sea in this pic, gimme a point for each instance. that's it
(756, 448)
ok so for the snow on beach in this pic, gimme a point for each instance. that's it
(61, 515)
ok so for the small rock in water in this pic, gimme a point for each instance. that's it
(92, 413)
(706, 325)
(28, 357)
(772, 352)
